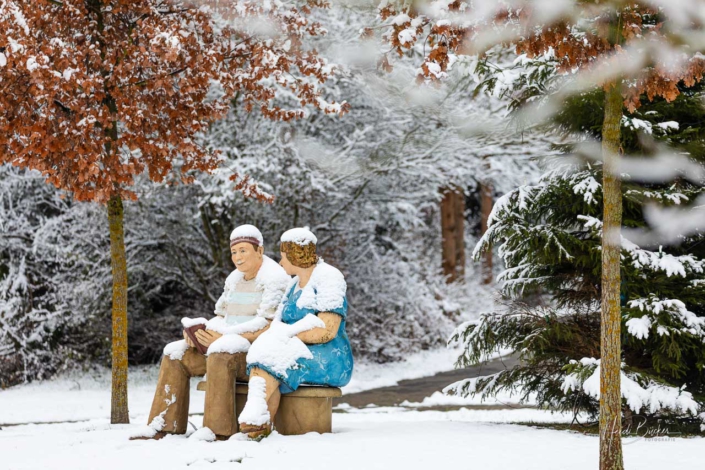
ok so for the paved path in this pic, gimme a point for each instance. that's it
(415, 390)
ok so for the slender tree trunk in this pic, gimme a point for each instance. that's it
(610, 346)
(118, 410)
(485, 210)
(453, 233)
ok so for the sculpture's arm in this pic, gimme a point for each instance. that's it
(322, 335)
(253, 335)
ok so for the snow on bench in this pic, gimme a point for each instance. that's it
(308, 409)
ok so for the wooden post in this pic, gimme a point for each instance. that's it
(118, 409)
(453, 233)
(610, 343)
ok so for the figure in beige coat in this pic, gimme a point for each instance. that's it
(251, 295)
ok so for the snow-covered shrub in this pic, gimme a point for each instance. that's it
(54, 274)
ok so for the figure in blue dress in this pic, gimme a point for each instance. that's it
(307, 342)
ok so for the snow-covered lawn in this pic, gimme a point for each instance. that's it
(370, 438)
(82, 396)
(379, 438)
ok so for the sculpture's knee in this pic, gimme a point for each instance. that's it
(236, 363)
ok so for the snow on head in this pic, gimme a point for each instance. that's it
(246, 233)
(301, 236)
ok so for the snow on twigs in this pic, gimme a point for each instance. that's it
(652, 396)
(666, 316)
(278, 348)
(255, 411)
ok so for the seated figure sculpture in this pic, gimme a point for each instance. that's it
(306, 343)
(248, 304)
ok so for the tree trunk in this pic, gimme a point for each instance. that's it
(453, 233)
(485, 210)
(610, 346)
(118, 410)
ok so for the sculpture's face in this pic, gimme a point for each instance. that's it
(286, 264)
(246, 257)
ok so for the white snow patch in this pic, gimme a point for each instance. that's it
(218, 325)
(204, 434)
(176, 349)
(300, 235)
(639, 327)
(32, 64)
(668, 125)
(271, 279)
(230, 344)
(278, 348)
(441, 399)
(189, 322)
(324, 291)
(654, 396)
(249, 231)
(407, 36)
(255, 411)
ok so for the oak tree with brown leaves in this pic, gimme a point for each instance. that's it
(616, 45)
(97, 92)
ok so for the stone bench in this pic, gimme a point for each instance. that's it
(308, 409)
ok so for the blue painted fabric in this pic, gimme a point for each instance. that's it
(332, 362)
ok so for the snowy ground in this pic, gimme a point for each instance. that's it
(374, 437)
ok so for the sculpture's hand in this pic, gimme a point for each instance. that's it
(188, 340)
(206, 337)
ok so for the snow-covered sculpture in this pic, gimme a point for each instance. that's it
(307, 342)
(248, 304)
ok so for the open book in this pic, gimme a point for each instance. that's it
(191, 333)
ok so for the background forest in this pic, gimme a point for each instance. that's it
(370, 184)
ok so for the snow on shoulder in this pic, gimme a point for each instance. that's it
(301, 236)
(325, 290)
(247, 231)
(271, 278)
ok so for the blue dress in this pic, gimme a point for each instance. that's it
(332, 362)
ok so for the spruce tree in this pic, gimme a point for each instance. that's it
(549, 236)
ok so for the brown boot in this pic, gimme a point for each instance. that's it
(256, 432)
